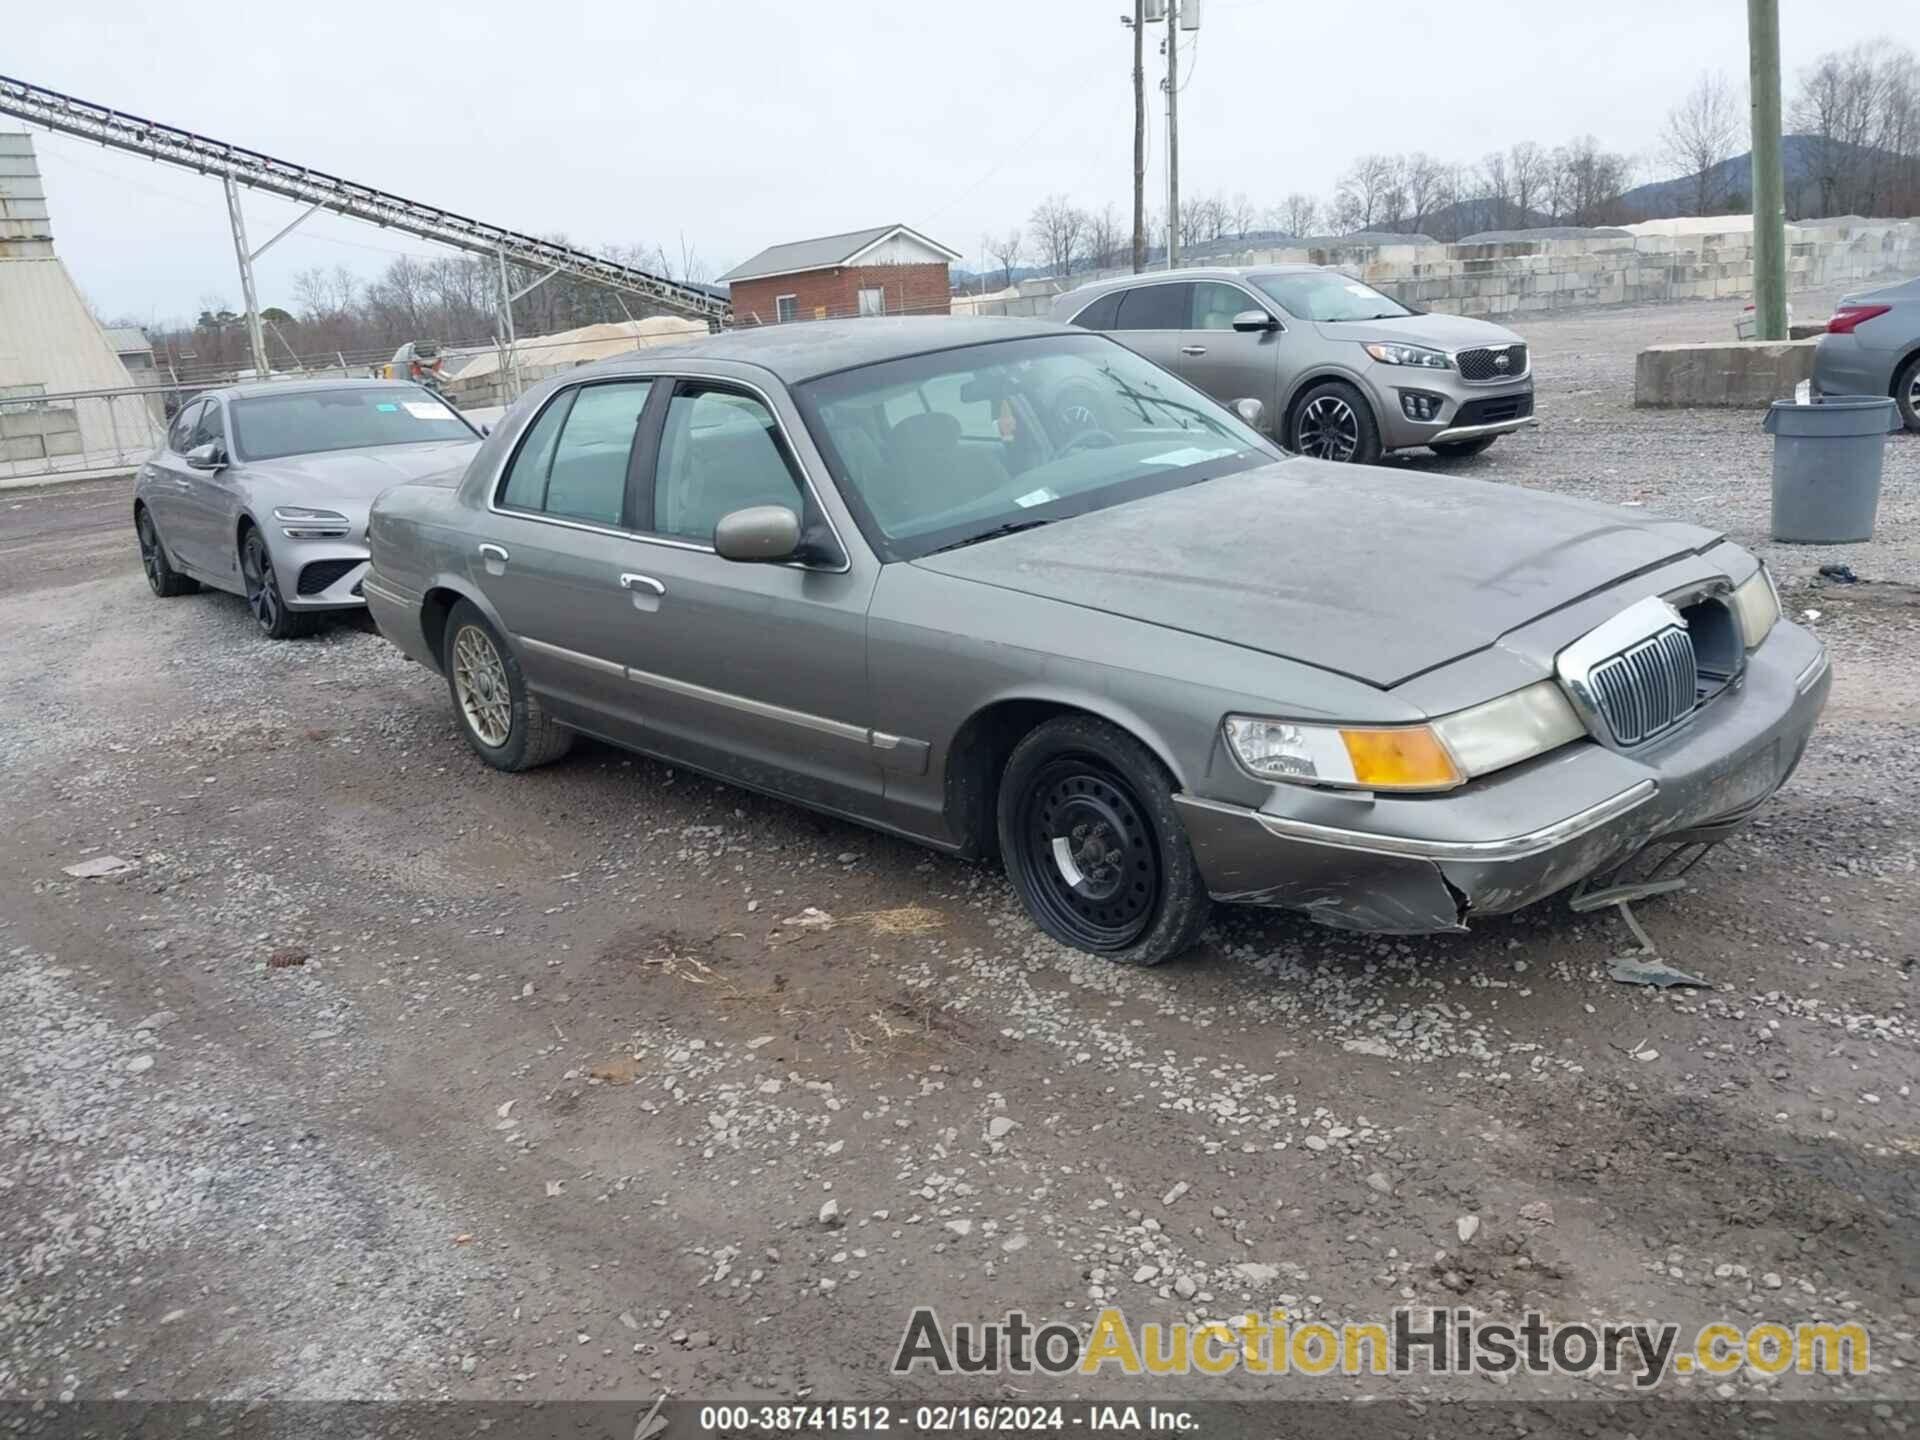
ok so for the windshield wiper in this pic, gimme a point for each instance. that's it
(1012, 527)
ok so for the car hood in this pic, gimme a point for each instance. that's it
(1442, 332)
(1349, 568)
(347, 476)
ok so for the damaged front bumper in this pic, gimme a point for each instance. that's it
(1418, 864)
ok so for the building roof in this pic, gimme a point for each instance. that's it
(799, 352)
(126, 339)
(826, 252)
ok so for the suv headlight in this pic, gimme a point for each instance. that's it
(297, 522)
(1436, 756)
(1390, 353)
(1757, 604)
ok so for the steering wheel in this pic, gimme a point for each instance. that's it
(1092, 438)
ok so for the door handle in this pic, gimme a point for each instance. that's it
(494, 552)
(1193, 349)
(642, 582)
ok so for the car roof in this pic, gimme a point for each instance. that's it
(305, 387)
(804, 350)
(1197, 272)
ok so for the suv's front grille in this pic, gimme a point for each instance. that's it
(1492, 411)
(322, 573)
(1485, 363)
(1649, 688)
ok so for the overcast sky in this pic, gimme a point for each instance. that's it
(746, 122)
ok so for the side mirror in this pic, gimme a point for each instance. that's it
(1255, 320)
(211, 456)
(758, 533)
(1251, 411)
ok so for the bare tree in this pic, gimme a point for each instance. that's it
(1860, 109)
(1496, 190)
(1007, 249)
(1298, 214)
(1365, 191)
(1057, 227)
(1240, 215)
(1701, 134)
(1530, 169)
(1106, 238)
(1421, 179)
(1585, 182)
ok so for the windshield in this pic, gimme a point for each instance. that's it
(940, 450)
(1328, 295)
(266, 427)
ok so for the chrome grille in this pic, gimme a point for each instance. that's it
(1483, 364)
(1648, 689)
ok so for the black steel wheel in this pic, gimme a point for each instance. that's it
(1332, 421)
(264, 598)
(166, 581)
(1092, 842)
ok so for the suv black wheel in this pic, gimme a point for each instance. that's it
(166, 581)
(1094, 846)
(502, 719)
(1333, 421)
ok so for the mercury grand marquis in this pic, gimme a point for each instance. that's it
(1148, 659)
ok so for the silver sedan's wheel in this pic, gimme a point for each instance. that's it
(503, 720)
(480, 682)
(1906, 392)
(1329, 430)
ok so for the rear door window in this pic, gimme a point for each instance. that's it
(573, 460)
(1156, 307)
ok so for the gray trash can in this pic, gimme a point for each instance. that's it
(1826, 468)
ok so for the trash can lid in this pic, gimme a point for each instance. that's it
(1838, 418)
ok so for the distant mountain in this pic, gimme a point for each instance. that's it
(1801, 160)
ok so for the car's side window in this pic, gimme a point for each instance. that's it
(183, 424)
(209, 429)
(1101, 314)
(573, 460)
(1155, 307)
(721, 451)
(1215, 305)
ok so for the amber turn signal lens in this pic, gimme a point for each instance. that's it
(1406, 758)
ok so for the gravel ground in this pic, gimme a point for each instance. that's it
(381, 1074)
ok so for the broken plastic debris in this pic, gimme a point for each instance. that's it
(811, 918)
(100, 867)
(1640, 970)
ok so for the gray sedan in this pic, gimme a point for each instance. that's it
(263, 490)
(1142, 656)
(1872, 347)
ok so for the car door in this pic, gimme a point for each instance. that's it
(553, 547)
(1229, 364)
(209, 499)
(753, 671)
(1152, 319)
(166, 480)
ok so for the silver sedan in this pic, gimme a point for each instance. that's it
(1139, 654)
(262, 490)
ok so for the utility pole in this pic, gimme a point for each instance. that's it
(245, 257)
(1139, 136)
(1173, 133)
(1769, 207)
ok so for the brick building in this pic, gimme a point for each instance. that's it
(885, 270)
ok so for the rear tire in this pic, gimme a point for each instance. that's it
(1462, 449)
(1333, 421)
(1094, 846)
(166, 581)
(1906, 393)
(502, 719)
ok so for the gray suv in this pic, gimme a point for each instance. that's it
(1342, 372)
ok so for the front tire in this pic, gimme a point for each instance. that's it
(166, 581)
(264, 596)
(1094, 846)
(1906, 393)
(1462, 449)
(1333, 421)
(502, 719)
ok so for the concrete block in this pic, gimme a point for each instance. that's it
(1737, 374)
